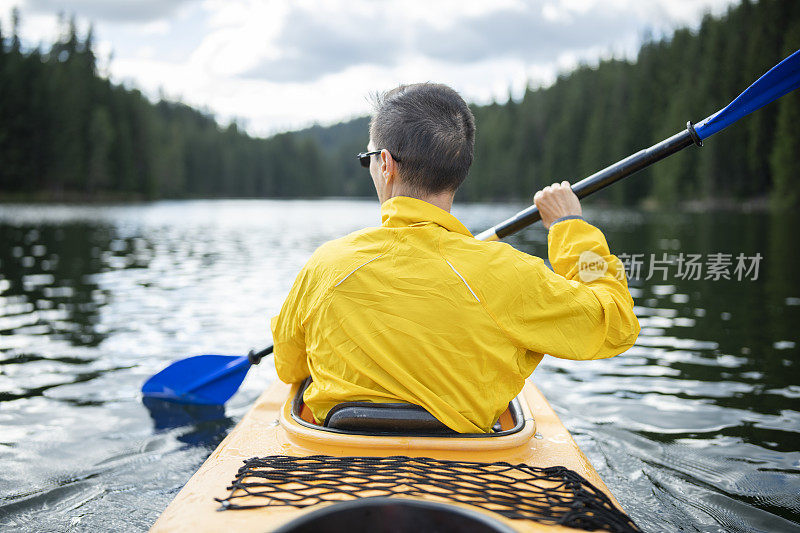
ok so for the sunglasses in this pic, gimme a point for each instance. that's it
(363, 157)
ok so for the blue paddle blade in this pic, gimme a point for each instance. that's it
(781, 79)
(202, 379)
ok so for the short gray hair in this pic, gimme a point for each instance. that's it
(430, 129)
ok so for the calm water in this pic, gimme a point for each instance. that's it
(696, 428)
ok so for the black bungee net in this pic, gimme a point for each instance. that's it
(555, 495)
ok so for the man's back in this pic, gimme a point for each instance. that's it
(419, 311)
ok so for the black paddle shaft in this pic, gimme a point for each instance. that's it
(607, 176)
(256, 357)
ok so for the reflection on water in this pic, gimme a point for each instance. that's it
(207, 424)
(695, 428)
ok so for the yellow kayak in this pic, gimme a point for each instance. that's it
(303, 477)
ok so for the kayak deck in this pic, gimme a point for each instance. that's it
(268, 429)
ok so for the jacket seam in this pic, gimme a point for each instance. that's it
(483, 305)
(329, 291)
(462, 279)
(356, 269)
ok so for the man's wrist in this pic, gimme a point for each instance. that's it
(562, 219)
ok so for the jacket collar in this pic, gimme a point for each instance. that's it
(404, 211)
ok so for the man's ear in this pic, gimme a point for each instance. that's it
(388, 167)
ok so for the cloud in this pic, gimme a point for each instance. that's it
(315, 41)
(529, 34)
(311, 45)
(110, 10)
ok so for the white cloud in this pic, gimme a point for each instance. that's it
(146, 51)
(241, 33)
(156, 27)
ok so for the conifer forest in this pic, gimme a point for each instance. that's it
(67, 132)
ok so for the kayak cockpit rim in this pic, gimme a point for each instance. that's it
(308, 434)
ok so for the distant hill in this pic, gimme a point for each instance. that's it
(343, 176)
(330, 138)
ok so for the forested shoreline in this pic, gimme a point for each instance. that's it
(66, 132)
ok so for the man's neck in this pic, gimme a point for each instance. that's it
(442, 200)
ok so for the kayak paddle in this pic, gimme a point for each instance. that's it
(778, 81)
(202, 379)
(213, 379)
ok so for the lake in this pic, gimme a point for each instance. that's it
(696, 428)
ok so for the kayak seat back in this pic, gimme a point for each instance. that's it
(384, 417)
(396, 419)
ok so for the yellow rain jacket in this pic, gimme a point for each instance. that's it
(419, 311)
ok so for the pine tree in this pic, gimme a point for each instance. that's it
(101, 136)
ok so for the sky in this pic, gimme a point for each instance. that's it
(277, 65)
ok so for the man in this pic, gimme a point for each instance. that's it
(419, 311)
